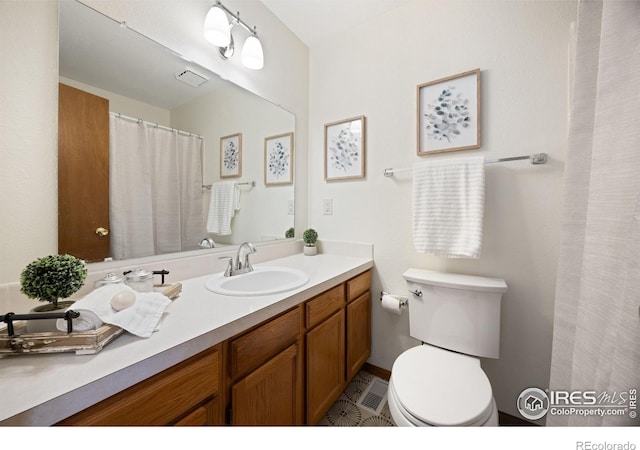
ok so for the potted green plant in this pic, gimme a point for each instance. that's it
(290, 233)
(50, 279)
(310, 236)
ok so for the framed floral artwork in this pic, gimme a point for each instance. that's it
(344, 149)
(449, 113)
(231, 155)
(278, 159)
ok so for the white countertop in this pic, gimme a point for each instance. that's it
(46, 388)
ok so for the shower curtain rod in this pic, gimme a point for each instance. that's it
(133, 119)
(536, 158)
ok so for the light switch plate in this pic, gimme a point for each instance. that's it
(327, 206)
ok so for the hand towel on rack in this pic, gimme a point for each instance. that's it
(225, 201)
(448, 207)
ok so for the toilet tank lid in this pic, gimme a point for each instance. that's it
(455, 280)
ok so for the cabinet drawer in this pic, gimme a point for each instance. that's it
(324, 305)
(160, 399)
(259, 345)
(358, 285)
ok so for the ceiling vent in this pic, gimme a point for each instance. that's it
(191, 78)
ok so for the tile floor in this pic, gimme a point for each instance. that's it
(354, 407)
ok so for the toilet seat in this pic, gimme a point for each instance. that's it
(434, 387)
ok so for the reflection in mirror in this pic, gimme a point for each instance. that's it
(164, 172)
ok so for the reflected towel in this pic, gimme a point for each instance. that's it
(448, 207)
(225, 201)
(141, 319)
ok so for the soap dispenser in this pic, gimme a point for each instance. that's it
(140, 280)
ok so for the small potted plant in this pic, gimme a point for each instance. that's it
(290, 233)
(310, 236)
(50, 279)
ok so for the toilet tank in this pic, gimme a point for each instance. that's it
(456, 312)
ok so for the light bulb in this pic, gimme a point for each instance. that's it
(252, 55)
(216, 27)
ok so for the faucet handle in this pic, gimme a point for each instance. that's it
(229, 270)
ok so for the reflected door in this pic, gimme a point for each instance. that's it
(83, 174)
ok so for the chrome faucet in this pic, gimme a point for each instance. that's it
(242, 264)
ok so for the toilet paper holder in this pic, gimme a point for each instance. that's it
(404, 301)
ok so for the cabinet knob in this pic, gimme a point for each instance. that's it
(100, 231)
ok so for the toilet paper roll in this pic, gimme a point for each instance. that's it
(391, 304)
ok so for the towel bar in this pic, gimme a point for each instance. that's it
(536, 158)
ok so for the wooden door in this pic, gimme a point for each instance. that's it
(83, 174)
(358, 333)
(271, 394)
(325, 357)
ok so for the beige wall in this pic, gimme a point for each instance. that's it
(521, 48)
(29, 130)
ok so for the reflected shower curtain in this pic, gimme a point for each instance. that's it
(596, 341)
(156, 190)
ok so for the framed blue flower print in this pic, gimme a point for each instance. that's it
(449, 113)
(231, 155)
(278, 159)
(344, 149)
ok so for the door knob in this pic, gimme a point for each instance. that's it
(102, 231)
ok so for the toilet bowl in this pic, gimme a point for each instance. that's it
(430, 386)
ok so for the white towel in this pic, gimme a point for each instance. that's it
(448, 207)
(141, 319)
(225, 201)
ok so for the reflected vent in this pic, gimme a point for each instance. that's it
(191, 78)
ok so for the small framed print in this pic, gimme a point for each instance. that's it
(231, 155)
(449, 113)
(344, 149)
(278, 159)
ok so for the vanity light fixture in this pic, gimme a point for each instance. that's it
(218, 28)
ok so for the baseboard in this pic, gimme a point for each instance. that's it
(377, 371)
(507, 420)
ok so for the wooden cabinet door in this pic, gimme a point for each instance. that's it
(271, 394)
(358, 333)
(325, 365)
(83, 174)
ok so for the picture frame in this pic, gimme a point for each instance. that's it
(278, 159)
(231, 155)
(448, 114)
(345, 149)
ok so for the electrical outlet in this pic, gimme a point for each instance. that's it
(327, 206)
(290, 207)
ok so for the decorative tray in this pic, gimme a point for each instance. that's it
(16, 340)
(80, 342)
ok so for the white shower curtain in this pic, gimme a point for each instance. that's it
(156, 190)
(596, 341)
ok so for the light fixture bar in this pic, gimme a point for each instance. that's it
(237, 19)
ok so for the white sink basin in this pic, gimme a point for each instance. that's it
(262, 281)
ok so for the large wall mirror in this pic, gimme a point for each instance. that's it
(150, 87)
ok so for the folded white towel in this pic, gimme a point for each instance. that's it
(225, 201)
(141, 319)
(448, 207)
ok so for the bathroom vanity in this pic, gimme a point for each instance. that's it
(279, 359)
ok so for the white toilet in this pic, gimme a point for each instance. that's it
(441, 383)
